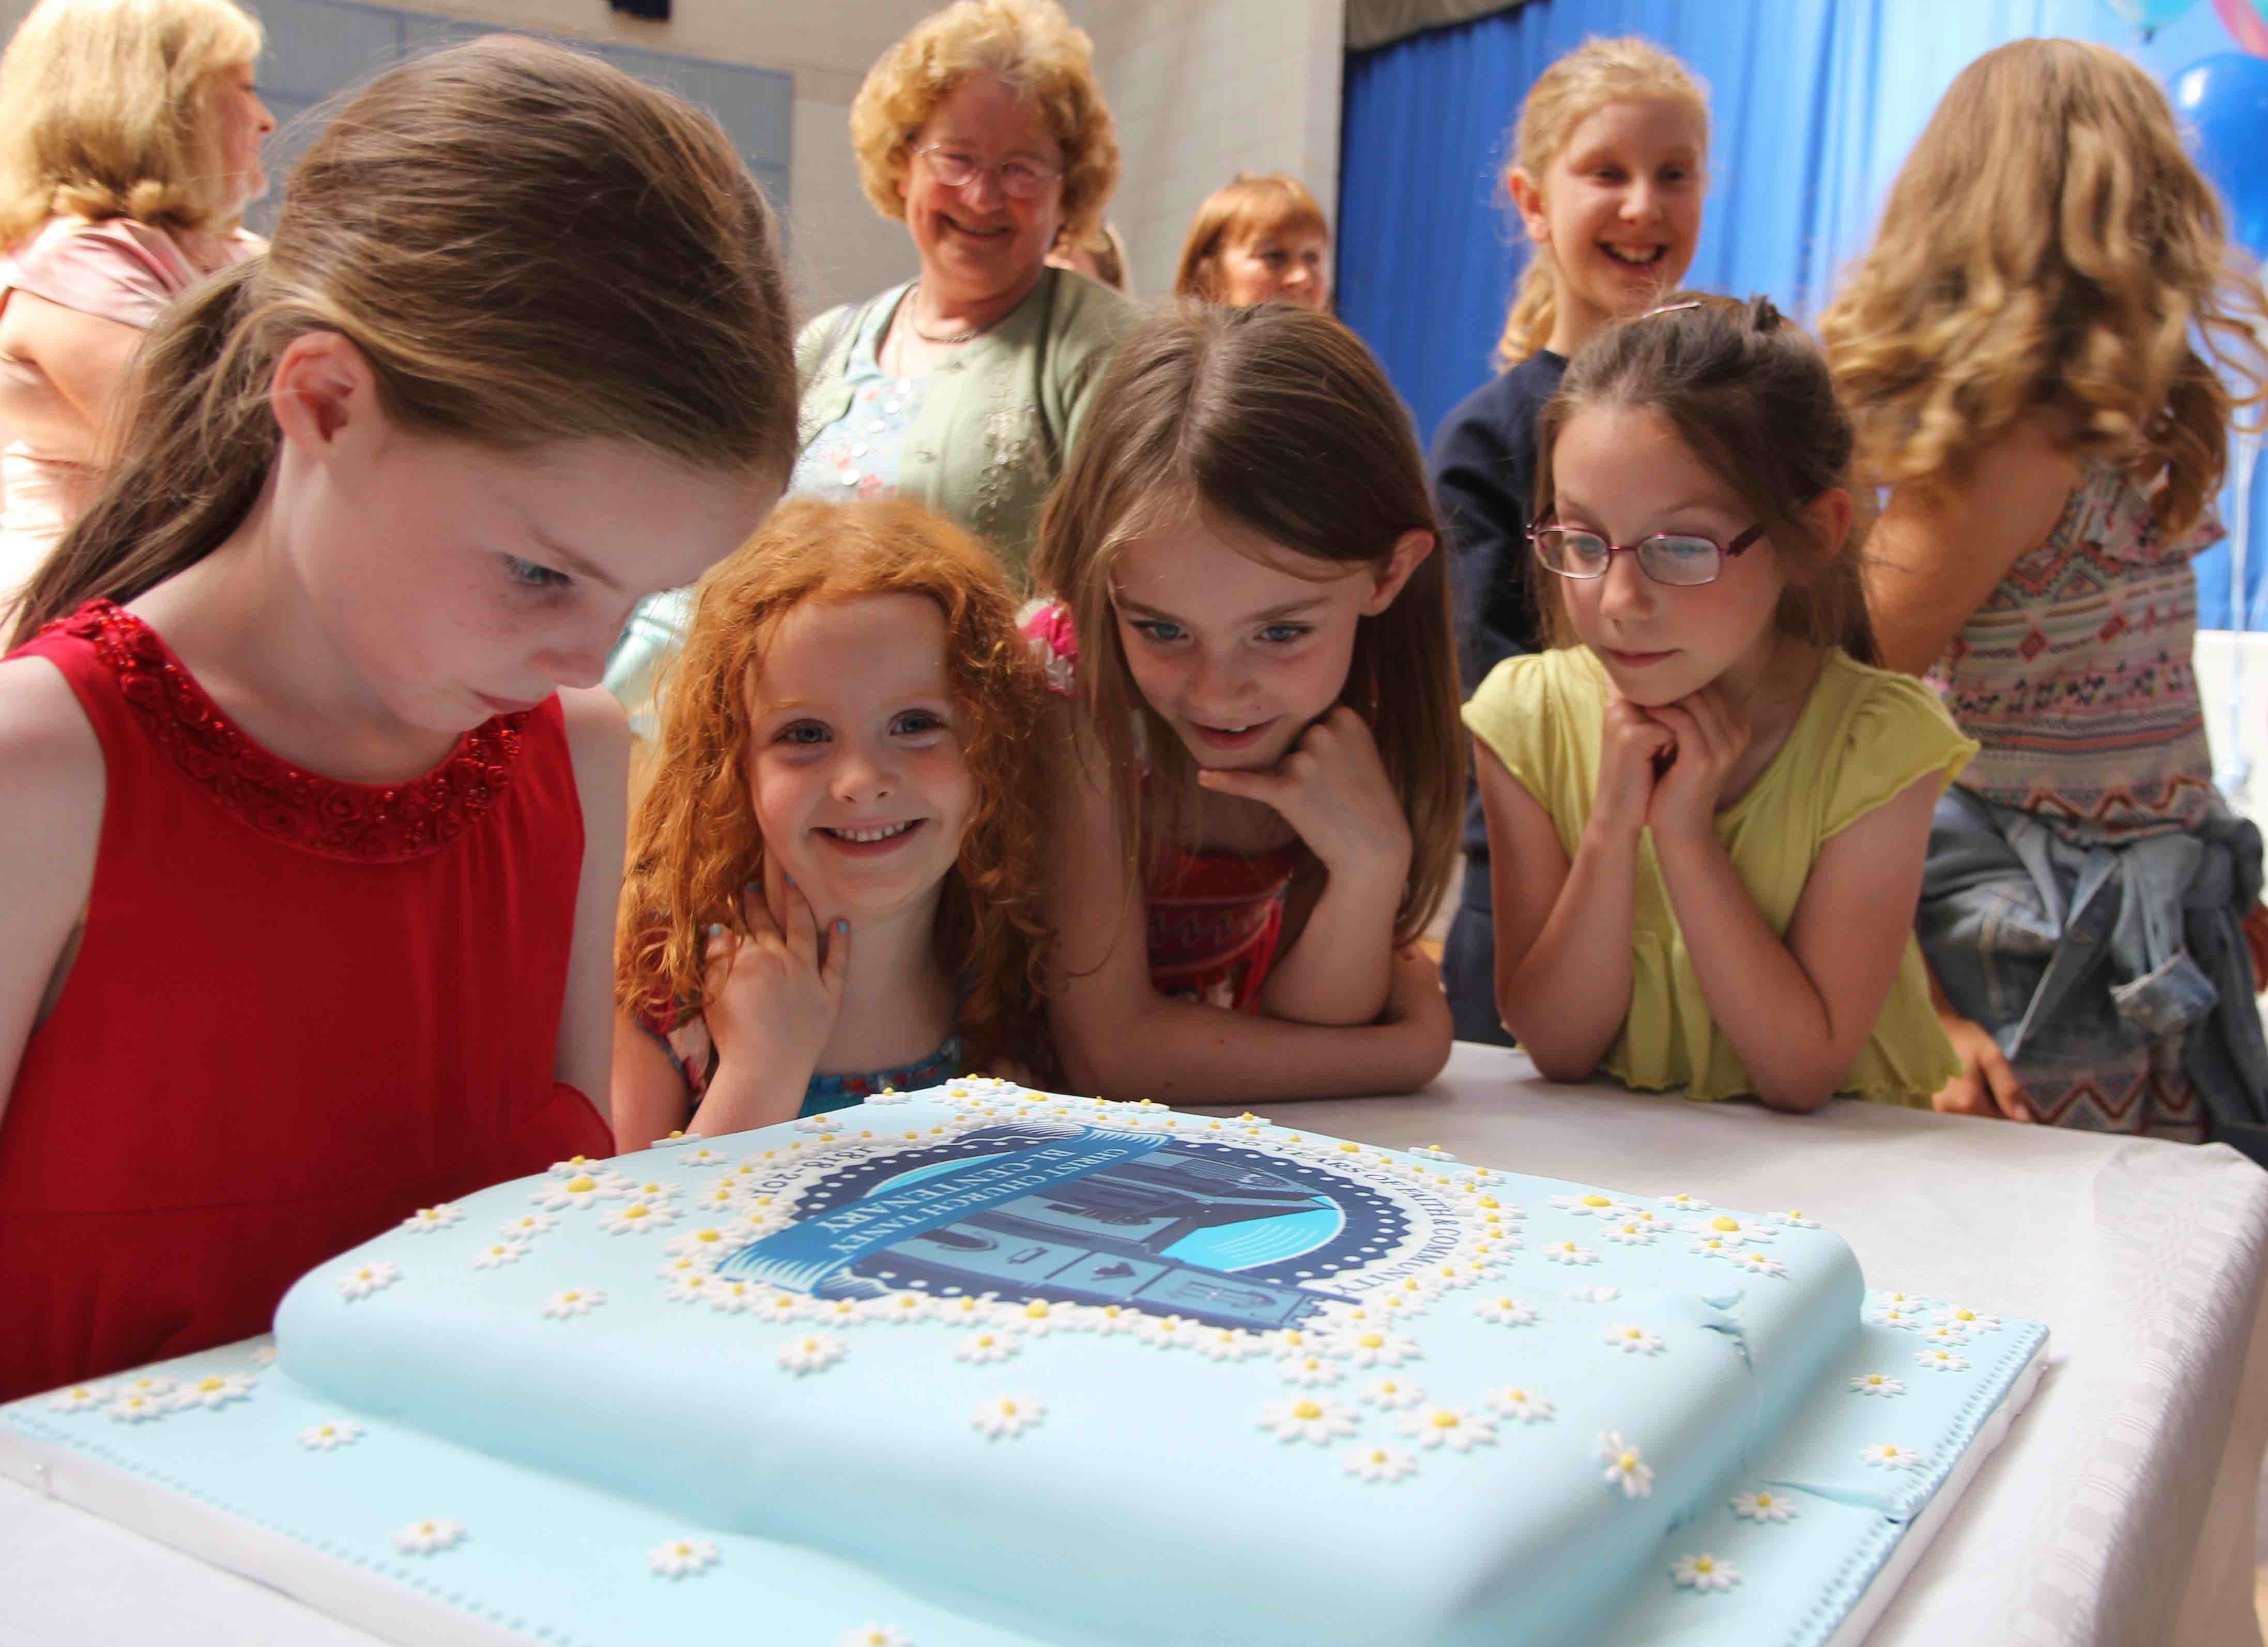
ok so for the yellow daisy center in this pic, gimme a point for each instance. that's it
(1445, 1420)
(1703, 1564)
(1307, 1410)
(1372, 1340)
(1596, 1200)
(1627, 1461)
(582, 1183)
(1721, 1222)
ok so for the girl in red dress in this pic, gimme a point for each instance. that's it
(1261, 768)
(306, 904)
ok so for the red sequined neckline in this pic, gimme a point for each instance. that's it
(360, 822)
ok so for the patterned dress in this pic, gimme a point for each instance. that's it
(2086, 881)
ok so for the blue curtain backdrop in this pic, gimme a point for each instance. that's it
(1813, 105)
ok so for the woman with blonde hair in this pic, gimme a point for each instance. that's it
(1608, 164)
(1258, 239)
(129, 147)
(2033, 354)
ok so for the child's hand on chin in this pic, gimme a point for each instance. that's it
(1635, 750)
(1707, 740)
(773, 991)
(1332, 788)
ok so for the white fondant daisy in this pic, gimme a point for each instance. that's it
(578, 1165)
(1631, 1232)
(814, 1352)
(1517, 1401)
(1738, 1230)
(733, 1298)
(1007, 1415)
(887, 1096)
(1944, 1333)
(774, 1305)
(1758, 1263)
(215, 1389)
(1315, 1418)
(650, 1190)
(583, 1189)
(969, 1309)
(428, 1538)
(1568, 1253)
(529, 1226)
(898, 1306)
(711, 1242)
(827, 1123)
(1684, 1202)
(1942, 1360)
(1373, 1347)
(1433, 1153)
(1229, 1343)
(1309, 1371)
(988, 1346)
(874, 1635)
(1590, 1204)
(1891, 1315)
(1450, 1427)
(80, 1398)
(1594, 1294)
(1636, 1340)
(1711, 1246)
(1968, 1320)
(694, 1285)
(702, 1156)
(572, 1301)
(1762, 1505)
(132, 1406)
(1392, 1394)
(680, 1557)
(1889, 1455)
(263, 1354)
(838, 1311)
(1704, 1573)
(1795, 1219)
(1877, 1384)
(1169, 1332)
(331, 1434)
(498, 1252)
(1114, 1318)
(1450, 1275)
(1034, 1317)
(637, 1216)
(1626, 1468)
(1378, 1464)
(426, 1219)
(365, 1279)
(146, 1385)
(1908, 1301)
(1505, 1312)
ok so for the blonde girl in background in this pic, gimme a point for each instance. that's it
(130, 148)
(2033, 353)
(835, 883)
(1706, 811)
(307, 904)
(1608, 168)
(1258, 238)
(1256, 799)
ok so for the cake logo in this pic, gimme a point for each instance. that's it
(1219, 1232)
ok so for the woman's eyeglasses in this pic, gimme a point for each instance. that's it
(957, 168)
(1675, 558)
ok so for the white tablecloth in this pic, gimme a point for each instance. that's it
(2120, 1511)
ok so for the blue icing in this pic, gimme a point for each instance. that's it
(1149, 1501)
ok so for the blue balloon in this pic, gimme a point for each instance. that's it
(2223, 101)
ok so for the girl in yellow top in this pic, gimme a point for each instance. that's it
(1707, 811)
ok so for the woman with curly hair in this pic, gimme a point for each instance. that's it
(834, 875)
(983, 131)
(2032, 354)
(129, 147)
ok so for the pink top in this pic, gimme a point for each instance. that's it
(117, 270)
(2075, 673)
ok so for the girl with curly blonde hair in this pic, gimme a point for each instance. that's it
(832, 887)
(2033, 354)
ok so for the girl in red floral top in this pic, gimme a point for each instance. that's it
(1259, 767)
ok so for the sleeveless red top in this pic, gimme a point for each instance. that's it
(300, 1009)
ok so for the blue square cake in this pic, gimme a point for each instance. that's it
(984, 1367)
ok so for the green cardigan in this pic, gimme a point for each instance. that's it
(999, 418)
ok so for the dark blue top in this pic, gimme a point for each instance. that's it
(1484, 474)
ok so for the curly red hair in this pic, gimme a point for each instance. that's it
(694, 841)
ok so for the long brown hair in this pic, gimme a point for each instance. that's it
(1574, 88)
(695, 842)
(526, 244)
(1751, 396)
(1277, 422)
(2049, 245)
